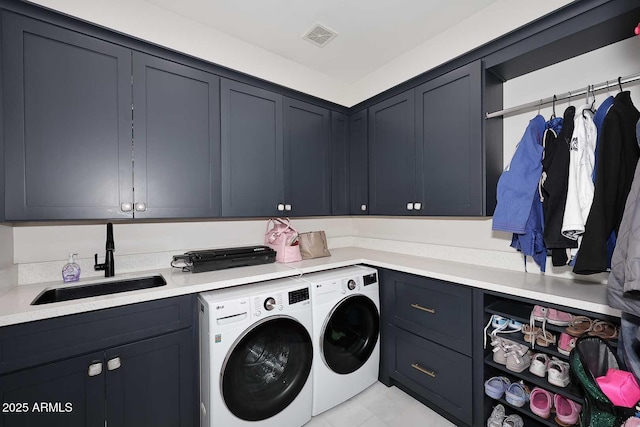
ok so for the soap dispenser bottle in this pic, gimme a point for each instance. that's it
(71, 270)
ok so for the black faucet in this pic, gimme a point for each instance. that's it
(109, 266)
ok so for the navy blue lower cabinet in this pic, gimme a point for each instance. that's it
(69, 393)
(126, 366)
(426, 342)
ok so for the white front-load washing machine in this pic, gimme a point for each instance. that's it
(346, 325)
(256, 355)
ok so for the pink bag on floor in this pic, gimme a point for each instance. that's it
(283, 239)
(620, 387)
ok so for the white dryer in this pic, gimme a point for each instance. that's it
(346, 325)
(256, 355)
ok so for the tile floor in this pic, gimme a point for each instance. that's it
(380, 406)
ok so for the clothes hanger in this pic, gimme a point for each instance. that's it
(569, 99)
(553, 113)
(620, 83)
(539, 104)
(593, 98)
(607, 87)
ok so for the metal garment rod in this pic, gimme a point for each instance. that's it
(611, 84)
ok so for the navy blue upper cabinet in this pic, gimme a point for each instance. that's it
(67, 118)
(427, 152)
(307, 158)
(75, 128)
(339, 163)
(176, 140)
(392, 155)
(449, 131)
(252, 150)
(358, 168)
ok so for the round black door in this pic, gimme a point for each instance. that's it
(266, 369)
(350, 334)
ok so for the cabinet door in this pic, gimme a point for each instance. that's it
(307, 162)
(61, 394)
(358, 168)
(449, 130)
(176, 132)
(339, 164)
(392, 156)
(151, 382)
(67, 118)
(252, 150)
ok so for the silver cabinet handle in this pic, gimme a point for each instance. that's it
(141, 207)
(126, 206)
(95, 369)
(280, 207)
(409, 206)
(363, 207)
(417, 206)
(114, 364)
(287, 207)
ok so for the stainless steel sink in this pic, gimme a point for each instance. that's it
(96, 289)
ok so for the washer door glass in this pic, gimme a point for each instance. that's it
(267, 369)
(351, 334)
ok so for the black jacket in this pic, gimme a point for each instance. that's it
(555, 167)
(618, 154)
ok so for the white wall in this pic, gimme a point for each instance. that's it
(149, 22)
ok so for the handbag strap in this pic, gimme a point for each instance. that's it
(281, 221)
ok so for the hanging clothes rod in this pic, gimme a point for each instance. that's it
(611, 84)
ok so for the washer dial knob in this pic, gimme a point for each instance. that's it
(351, 284)
(269, 304)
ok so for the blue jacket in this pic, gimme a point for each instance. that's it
(519, 209)
(518, 184)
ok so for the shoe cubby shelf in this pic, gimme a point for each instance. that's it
(526, 411)
(570, 391)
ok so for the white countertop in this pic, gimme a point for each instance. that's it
(15, 303)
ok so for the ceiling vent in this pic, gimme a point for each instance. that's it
(320, 35)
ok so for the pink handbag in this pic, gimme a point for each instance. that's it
(620, 387)
(283, 238)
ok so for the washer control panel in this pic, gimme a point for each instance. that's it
(277, 302)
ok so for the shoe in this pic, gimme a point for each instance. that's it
(518, 357)
(495, 387)
(517, 394)
(558, 373)
(498, 345)
(530, 333)
(632, 422)
(539, 363)
(567, 411)
(539, 313)
(579, 326)
(500, 325)
(497, 416)
(545, 339)
(513, 420)
(558, 318)
(540, 402)
(566, 344)
(603, 329)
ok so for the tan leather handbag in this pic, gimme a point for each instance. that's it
(313, 245)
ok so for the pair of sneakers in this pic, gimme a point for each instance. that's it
(499, 418)
(517, 394)
(556, 370)
(515, 356)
